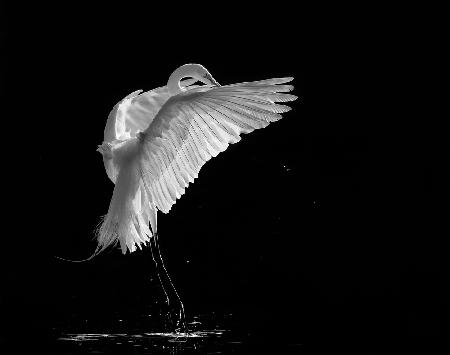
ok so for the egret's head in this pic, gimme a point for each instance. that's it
(195, 71)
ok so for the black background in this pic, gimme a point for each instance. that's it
(326, 227)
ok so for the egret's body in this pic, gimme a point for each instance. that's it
(156, 142)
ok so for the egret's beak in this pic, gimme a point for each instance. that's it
(211, 79)
(214, 81)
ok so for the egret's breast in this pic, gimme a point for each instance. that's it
(125, 153)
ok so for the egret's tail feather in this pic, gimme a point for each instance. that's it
(129, 214)
(97, 251)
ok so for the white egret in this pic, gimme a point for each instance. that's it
(155, 143)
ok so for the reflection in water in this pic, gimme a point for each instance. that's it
(207, 340)
(196, 338)
(207, 334)
(148, 343)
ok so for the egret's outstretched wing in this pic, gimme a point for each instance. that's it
(198, 124)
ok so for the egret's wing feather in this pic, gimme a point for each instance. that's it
(198, 124)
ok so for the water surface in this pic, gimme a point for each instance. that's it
(207, 334)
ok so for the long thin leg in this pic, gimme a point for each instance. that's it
(154, 247)
(157, 271)
(181, 317)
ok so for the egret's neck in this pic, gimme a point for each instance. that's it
(196, 71)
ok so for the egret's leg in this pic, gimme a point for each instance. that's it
(154, 247)
(181, 318)
(157, 271)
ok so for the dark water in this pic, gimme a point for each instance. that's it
(207, 334)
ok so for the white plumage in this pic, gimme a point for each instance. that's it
(156, 142)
